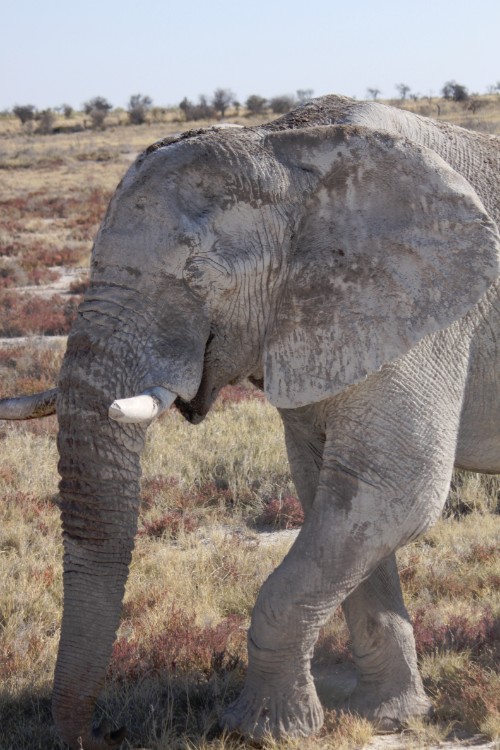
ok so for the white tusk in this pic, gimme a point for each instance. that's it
(29, 407)
(142, 408)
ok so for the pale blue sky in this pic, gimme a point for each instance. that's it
(55, 51)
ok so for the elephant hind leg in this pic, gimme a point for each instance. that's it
(389, 689)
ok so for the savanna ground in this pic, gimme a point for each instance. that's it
(209, 493)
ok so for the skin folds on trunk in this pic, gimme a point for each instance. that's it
(112, 356)
(99, 489)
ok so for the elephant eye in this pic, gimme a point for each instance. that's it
(206, 275)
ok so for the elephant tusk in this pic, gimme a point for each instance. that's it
(142, 408)
(29, 407)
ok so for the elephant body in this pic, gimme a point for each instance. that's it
(345, 258)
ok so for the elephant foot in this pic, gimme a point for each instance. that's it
(391, 714)
(261, 710)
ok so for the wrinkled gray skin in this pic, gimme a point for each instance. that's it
(343, 257)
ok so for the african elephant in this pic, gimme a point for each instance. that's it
(345, 258)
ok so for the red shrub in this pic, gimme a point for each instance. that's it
(458, 634)
(156, 487)
(210, 494)
(8, 277)
(41, 275)
(482, 553)
(468, 697)
(84, 207)
(23, 315)
(171, 523)
(282, 513)
(182, 647)
(333, 646)
(235, 394)
(79, 286)
(46, 427)
(49, 256)
(27, 369)
(33, 507)
(12, 248)
(168, 488)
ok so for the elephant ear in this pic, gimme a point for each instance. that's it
(390, 244)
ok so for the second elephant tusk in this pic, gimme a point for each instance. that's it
(29, 407)
(143, 408)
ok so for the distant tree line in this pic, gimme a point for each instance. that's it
(222, 99)
(96, 108)
(452, 91)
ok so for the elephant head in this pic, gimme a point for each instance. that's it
(304, 259)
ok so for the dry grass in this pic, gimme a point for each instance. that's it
(485, 119)
(180, 652)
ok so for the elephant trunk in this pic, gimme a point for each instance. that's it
(99, 489)
(120, 370)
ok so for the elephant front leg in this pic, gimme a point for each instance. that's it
(279, 697)
(336, 550)
(328, 560)
(389, 689)
(366, 506)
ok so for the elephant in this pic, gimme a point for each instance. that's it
(344, 258)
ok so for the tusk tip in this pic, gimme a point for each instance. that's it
(115, 412)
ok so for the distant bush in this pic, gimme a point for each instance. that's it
(280, 105)
(455, 91)
(255, 104)
(304, 95)
(221, 100)
(25, 112)
(138, 107)
(46, 121)
(99, 103)
(66, 110)
(201, 111)
(474, 103)
(403, 90)
(97, 117)
(98, 109)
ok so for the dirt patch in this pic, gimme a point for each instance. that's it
(406, 740)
